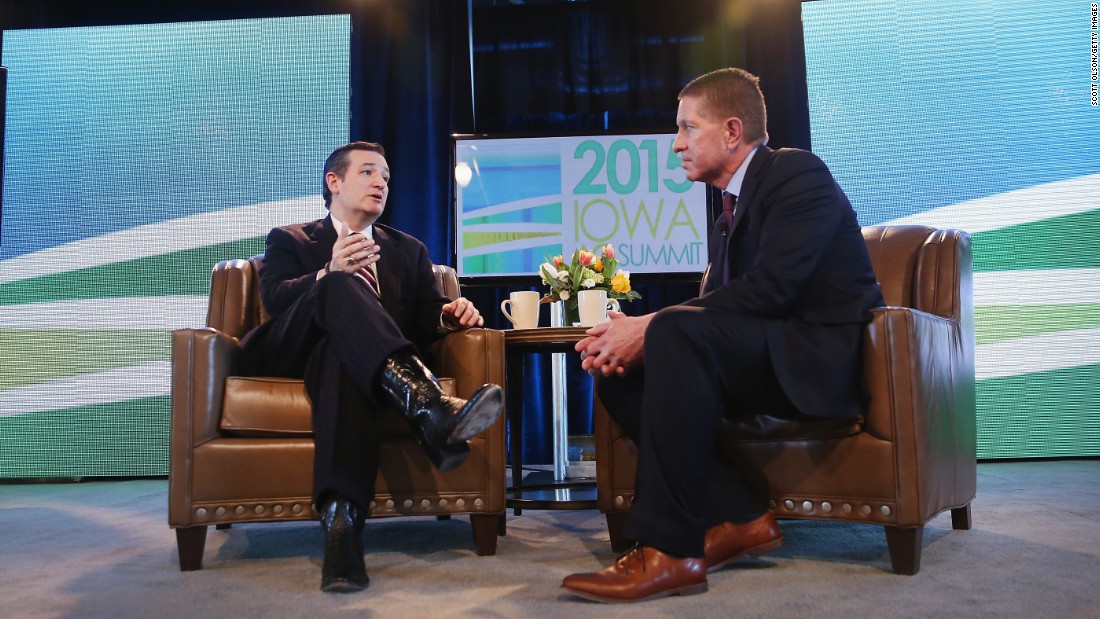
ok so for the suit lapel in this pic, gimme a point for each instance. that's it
(389, 272)
(322, 234)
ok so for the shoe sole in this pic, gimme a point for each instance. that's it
(685, 590)
(485, 408)
(344, 585)
(755, 551)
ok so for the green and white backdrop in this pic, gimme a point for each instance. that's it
(138, 156)
(981, 116)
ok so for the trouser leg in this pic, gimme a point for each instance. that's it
(697, 362)
(340, 310)
(731, 496)
(345, 429)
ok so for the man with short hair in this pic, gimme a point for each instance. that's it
(777, 329)
(350, 301)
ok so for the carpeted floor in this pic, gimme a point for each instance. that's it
(103, 549)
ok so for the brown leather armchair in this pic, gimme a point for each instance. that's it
(912, 455)
(242, 447)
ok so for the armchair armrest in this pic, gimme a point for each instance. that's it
(201, 361)
(472, 357)
(920, 371)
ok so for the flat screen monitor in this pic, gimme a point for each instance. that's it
(519, 201)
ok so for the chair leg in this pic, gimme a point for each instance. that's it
(616, 523)
(502, 528)
(189, 544)
(486, 527)
(904, 545)
(960, 518)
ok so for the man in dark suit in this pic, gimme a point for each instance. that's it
(350, 301)
(777, 329)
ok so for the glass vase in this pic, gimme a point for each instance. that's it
(565, 313)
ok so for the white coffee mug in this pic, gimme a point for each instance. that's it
(525, 309)
(593, 306)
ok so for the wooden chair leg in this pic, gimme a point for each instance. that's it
(486, 527)
(960, 518)
(190, 542)
(904, 545)
(616, 523)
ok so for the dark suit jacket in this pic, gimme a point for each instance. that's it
(797, 258)
(410, 292)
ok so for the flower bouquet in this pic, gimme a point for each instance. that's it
(585, 271)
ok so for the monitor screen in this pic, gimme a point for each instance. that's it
(522, 200)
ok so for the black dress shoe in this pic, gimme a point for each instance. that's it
(442, 423)
(344, 570)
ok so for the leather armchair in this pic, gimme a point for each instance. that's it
(242, 447)
(911, 456)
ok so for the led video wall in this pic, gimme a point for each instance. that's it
(983, 116)
(136, 157)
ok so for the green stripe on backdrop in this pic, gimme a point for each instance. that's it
(185, 272)
(1040, 415)
(38, 356)
(995, 323)
(546, 214)
(1067, 242)
(120, 439)
(474, 240)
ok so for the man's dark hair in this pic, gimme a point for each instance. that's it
(732, 92)
(337, 162)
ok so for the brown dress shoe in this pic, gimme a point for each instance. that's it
(728, 542)
(641, 574)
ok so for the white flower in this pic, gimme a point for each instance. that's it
(562, 275)
(625, 273)
(547, 272)
(588, 283)
(564, 294)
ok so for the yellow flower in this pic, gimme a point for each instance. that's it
(621, 282)
(597, 266)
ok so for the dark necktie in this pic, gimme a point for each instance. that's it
(724, 226)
